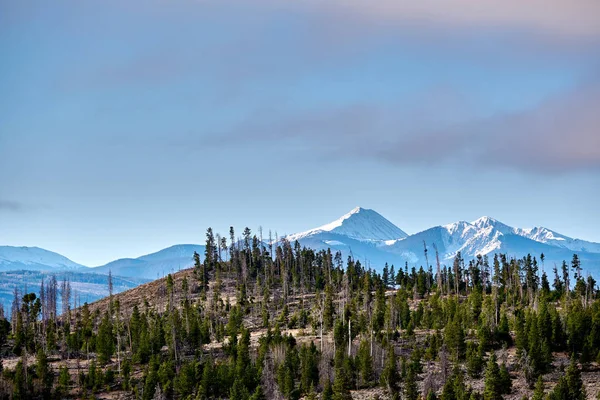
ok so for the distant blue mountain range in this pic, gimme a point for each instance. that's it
(361, 233)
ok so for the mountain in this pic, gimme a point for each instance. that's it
(359, 224)
(370, 238)
(489, 236)
(34, 259)
(541, 235)
(362, 233)
(155, 265)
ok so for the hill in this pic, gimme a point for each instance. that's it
(154, 265)
(34, 259)
(298, 325)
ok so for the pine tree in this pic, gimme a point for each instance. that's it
(538, 393)
(64, 381)
(474, 359)
(312, 395)
(454, 337)
(44, 373)
(492, 390)
(105, 345)
(365, 363)
(19, 391)
(570, 385)
(258, 393)
(309, 376)
(244, 368)
(505, 380)
(431, 395)
(411, 390)
(327, 391)
(574, 382)
(389, 376)
(342, 381)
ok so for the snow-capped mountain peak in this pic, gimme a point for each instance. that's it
(490, 223)
(484, 221)
(359, 224)
(459, 228)
(548, 236)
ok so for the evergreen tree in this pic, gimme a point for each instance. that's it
(474, 359)
(411, 390)
(327, 391)
(389, 376)
(454, 337)
(493, 389)
(309, 367)
(570, 385)
(505, 380)
(44, 374)
(19, 389)
(365, 363)
(342, 381)
(538, 393)
(64, 381)
(105, 345)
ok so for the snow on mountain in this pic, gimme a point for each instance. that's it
(541, 235)
(363, 234)
(487, 236)
(33, 259)
(544, 235)
(369, 237)
(359, 224)
(155, 265)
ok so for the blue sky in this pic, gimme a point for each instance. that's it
(126, 127)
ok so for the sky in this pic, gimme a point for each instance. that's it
(127, 127)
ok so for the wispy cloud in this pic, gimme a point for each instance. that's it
(233, 41)
(11, 206)
(561, 17)
(560, 135)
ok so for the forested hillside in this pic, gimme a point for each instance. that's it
(258, 321)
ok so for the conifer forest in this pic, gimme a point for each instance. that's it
(257, 319)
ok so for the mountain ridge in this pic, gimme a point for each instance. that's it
(361, 233)
(360, 224)
(483, 236)
(34, 259)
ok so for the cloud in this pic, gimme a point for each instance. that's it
(232, 41)
(561, 17)
(576, 18)
(558, 136)
(10, 206)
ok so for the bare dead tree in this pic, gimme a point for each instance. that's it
(426, 262)
(51, 294)
(14, 309)
(65, 293)
(270, 389)
(43, 301)
(438, 270)
(430, 383)
(444, 364)
(110, 285)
